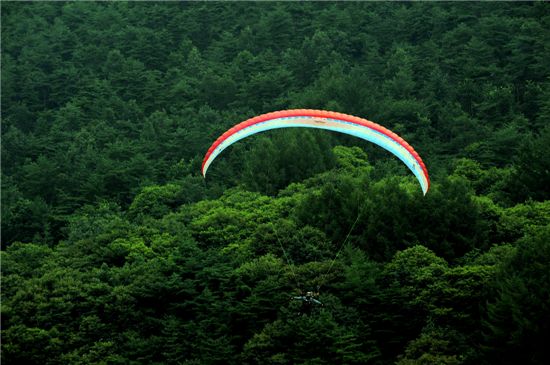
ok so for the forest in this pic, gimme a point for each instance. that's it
(116, 250)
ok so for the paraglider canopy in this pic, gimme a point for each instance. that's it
(322, 119)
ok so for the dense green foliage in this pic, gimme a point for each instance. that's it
(116, 251)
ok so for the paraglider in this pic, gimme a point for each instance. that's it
(321, 119)
(308, 301)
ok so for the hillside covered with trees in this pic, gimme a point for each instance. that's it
(115, 250)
